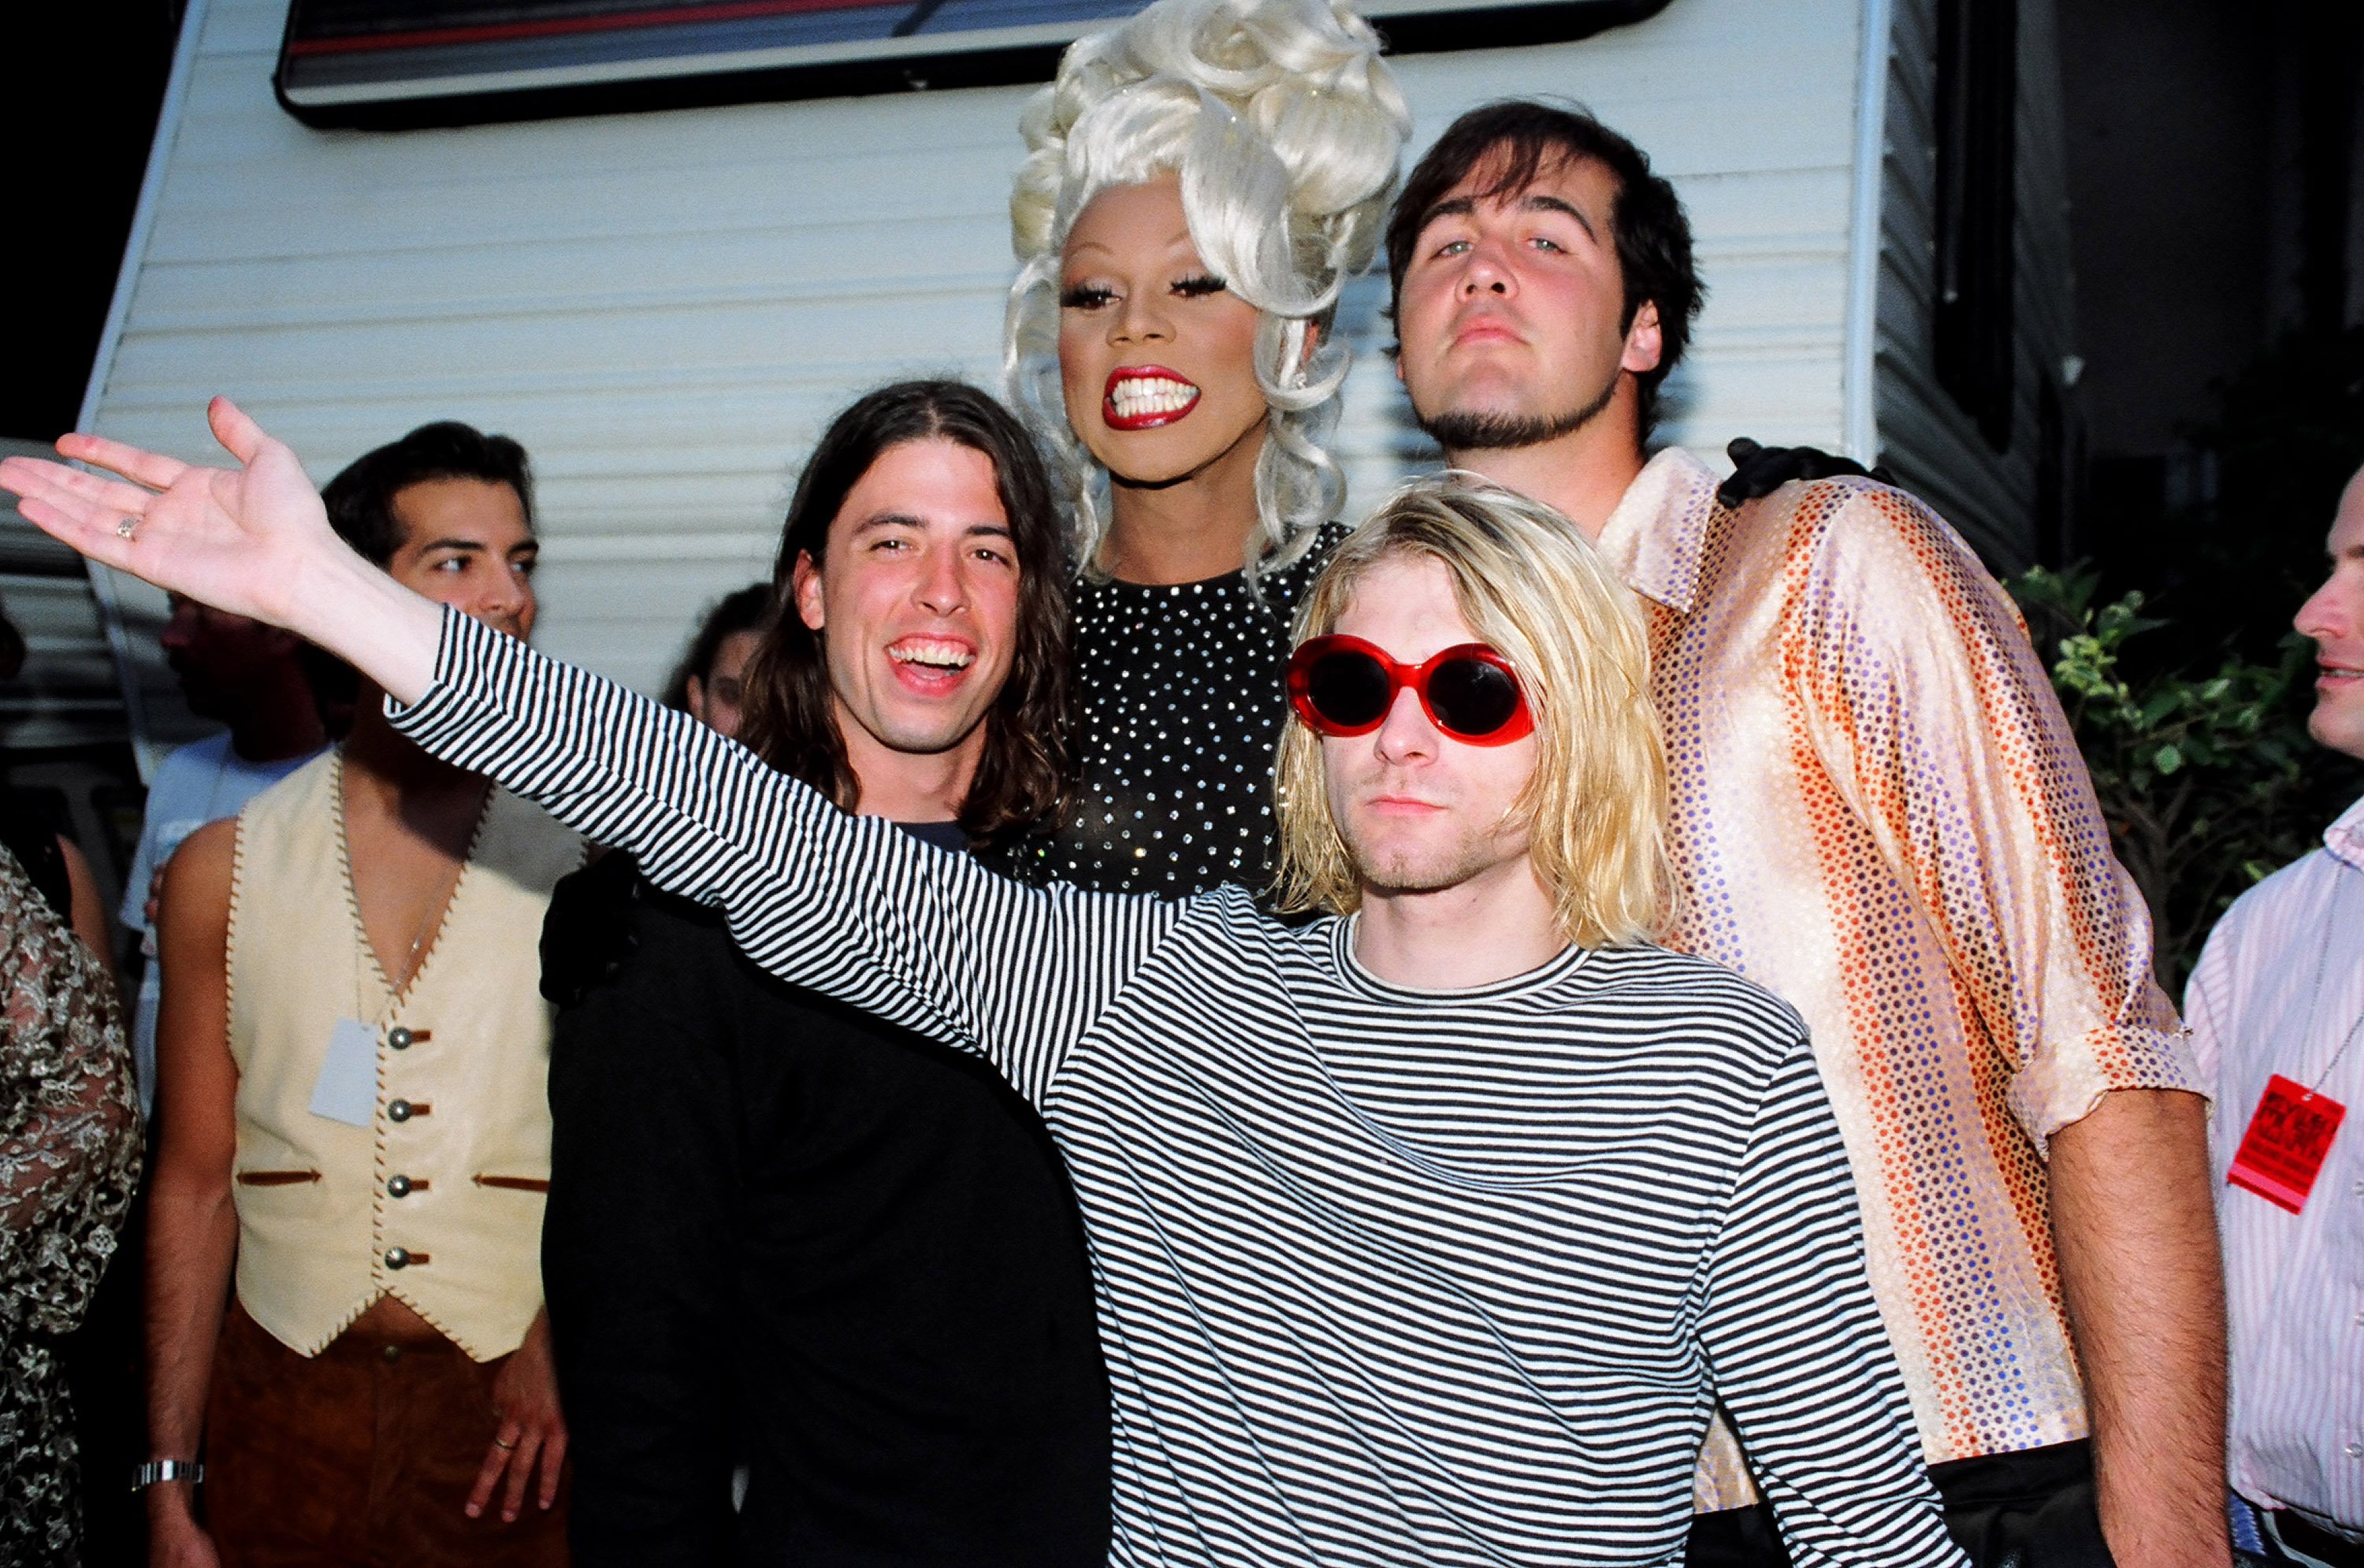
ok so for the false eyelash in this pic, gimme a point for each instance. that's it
(1200, 285)
(1085, 296)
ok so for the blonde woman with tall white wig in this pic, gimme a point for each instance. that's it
(1200, 182)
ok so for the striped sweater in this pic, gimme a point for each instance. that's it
(1385, 1276)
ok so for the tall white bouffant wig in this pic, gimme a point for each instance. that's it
(1285, 127)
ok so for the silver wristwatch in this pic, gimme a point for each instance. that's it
(157, 1470)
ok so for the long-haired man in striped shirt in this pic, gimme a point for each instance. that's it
(1427, 1231)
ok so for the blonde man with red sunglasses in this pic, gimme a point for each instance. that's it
(1429, 1231)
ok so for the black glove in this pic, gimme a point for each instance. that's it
(588, 934)
(1760, 471)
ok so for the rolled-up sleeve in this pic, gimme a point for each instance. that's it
(1928, 706)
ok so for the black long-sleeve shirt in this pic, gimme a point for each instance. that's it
(783, 1233)
(1384, 1275)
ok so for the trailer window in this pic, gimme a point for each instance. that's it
(1977, 104)
(393, 63)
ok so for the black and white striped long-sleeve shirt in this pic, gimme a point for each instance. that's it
(1385, 1276)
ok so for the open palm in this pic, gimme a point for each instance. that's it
(240, 539)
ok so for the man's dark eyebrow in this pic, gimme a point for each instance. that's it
(471, 544)
(1552, 203)
(1462, 207)
(906, 520)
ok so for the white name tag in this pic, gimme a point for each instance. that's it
(346, 1090)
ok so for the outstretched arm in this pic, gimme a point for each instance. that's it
(849, 905)
(255, 539)
(845, 905)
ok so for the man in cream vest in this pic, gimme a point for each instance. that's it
(344, 1295)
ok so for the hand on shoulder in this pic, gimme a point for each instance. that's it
(1758, 471)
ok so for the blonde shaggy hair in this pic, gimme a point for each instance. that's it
(1533, 589)
(1286, 129)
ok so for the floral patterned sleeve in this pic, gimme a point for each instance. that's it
(69, 1149)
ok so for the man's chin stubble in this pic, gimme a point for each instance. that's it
(1398, 874)
(1475, 430)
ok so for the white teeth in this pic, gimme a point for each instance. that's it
(1138, 395)
(933, 654)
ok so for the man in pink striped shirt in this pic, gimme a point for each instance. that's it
(2277, 1008)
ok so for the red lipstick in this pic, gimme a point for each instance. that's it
(1143, 397)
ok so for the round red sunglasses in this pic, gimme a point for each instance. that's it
(1343, 686)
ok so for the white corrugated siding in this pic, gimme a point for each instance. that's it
(66, 694)
(1934, 447)
(665, 307)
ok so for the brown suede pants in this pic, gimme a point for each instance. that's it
(363, 1454)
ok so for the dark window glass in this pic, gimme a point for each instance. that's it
(392, 63)
(2055, 517)
(1978, 48)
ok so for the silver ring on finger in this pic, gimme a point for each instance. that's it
(126, 527)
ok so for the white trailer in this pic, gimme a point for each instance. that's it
(665, 305)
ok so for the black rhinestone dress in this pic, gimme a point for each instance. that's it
(1179, 695)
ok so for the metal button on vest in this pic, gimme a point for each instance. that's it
(399, 1038)
(397, 1258)
(394, 1352)
(398, 1187)
(397, 1110)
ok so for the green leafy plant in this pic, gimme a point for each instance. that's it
(2208, 782)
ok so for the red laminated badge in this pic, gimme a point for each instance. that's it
(2285, 1145)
